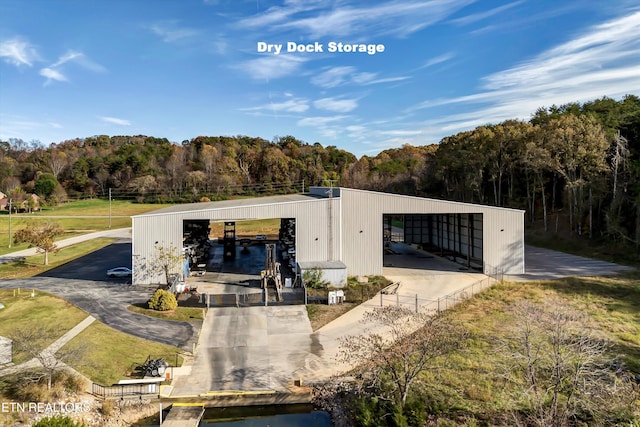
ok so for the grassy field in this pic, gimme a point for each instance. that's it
(33, 265)
(75, 218)
(112, 355)
(474, 385)
(21, 309)
(249, 228)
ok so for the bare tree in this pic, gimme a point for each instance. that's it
(557, 366)
(166, 260)
(32, 339)
(399, 345)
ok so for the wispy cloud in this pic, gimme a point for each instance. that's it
(170, 31)
(52, 74)
(296, 105)
(486, 14)
(438, 60)
(81, 59)
(337, 105)
(338, 76)
(271, 67)
(17, 51)
(603, 61)
(115, 121)
(320, 19)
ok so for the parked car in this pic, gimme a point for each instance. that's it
(119, 272)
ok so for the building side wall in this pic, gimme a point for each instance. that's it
(362, 212)
(313, 243)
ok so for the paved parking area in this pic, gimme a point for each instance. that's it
(543, 264)
(83, 282)
(267, 348)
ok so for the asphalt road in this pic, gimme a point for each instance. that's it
(84, 283)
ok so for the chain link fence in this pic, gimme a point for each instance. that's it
(414, 302)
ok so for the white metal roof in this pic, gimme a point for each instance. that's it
(234, 203)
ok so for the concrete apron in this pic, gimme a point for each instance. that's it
(250, 349)
(261, 350)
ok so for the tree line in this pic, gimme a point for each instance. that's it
(574, 167)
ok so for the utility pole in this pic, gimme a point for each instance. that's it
(109, 208)
(10, 200)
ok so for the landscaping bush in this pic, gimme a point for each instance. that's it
(59, 421)
(163, 301)
(313, 279)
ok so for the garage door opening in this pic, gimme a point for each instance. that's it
(456, 237)
(238, 247)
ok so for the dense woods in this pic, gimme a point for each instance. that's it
(574, 167)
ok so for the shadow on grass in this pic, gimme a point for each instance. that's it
(619, 297)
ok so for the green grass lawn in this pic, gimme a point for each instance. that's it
(33, 265)
(21, 310)
(90, 216)
(111, 355)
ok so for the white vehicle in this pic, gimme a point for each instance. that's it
(119, 272)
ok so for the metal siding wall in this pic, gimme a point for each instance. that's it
(311, 223)
(363, 210)
(357, 228)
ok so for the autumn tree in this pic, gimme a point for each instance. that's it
(41, 237)
(578, 154)
(397, 346)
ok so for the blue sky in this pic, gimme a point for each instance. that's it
(183, 68)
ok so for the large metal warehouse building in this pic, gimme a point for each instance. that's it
(346, 228)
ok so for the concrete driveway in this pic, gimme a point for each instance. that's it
(253, 348)
(543, 264)
(83, 282)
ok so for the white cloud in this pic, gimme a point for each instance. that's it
(271, 67)
(50, 74)
(602, 61)
(80, 59)
(320, 19)
(332, 77)
(438, 60)
(115, 121)
(170, 32)
(17, 51)
(319, 121)
(336, 105)
(483, 15)
(297, 105)
(55, 70)
(337, 76)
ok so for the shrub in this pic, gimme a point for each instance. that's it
(313, 279)
(59, 421)
(108, 408)
(163, 301)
